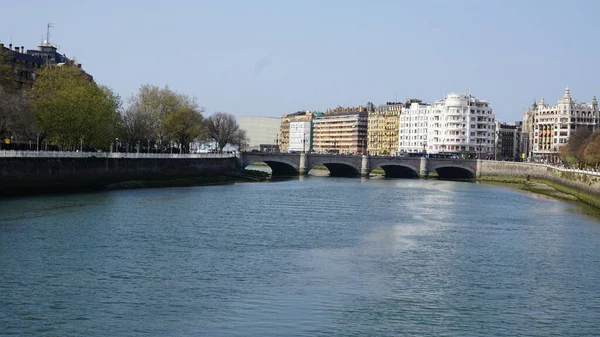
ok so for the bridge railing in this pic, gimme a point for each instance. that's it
(68, 154)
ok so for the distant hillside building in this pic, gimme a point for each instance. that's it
(260, 130)
(382, 130)
(548, 127)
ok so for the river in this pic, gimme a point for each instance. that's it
(312, 256)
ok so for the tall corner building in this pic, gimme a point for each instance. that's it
(547, 127)
(459, 123)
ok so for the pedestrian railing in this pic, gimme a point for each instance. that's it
(68, 154)
(564, 169)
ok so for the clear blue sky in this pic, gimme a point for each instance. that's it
(270, 57)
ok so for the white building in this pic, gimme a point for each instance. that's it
(300, 136)
(260, 130)
(548, 127)
(459, 123)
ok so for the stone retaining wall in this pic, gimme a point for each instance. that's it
(587, 182)
(31, 175)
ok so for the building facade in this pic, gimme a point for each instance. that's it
(382, 131)
(548, 127)
(458, 124)
(284, 139)
(300, 136)
(259, 130)
(18, 68)
(412, 128)
(342, 130)
(22, 65)
(508, 141)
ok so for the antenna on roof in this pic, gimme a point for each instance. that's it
(50, 25)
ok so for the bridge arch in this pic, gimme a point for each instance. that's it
(279, 167)
(337, 168)
(397, 170)
(452, 171)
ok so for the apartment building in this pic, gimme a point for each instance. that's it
(412, 127)
(296, 131)
(508, 138)
(23, 64)
(382, 130)
(342, 130)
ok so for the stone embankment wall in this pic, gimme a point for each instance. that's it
(32, 175)
(586, 182)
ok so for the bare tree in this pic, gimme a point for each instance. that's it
(222, 128)
(241, 140)
(138, 126)
(16, 116)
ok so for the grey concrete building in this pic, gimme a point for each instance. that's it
(260, 130)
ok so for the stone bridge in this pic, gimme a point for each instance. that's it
(354, 165)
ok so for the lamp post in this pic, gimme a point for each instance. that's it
(37, 147)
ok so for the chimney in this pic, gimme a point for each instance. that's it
(79, 65)
(1, 46)
(17, 49)
(10, 46)
(22, 49)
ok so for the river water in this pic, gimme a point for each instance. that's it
(315, 256)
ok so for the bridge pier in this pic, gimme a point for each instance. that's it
(423, 172)
(364, 166)
(302, 167)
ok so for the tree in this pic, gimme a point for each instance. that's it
(16, 116)
(74, 111)
(222, 128)
(144, 119)
(240, 140)
(7, 75)
(591, 152)
(138, 126)
(572, 151)
(184, 126)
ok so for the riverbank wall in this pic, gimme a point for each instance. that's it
(581, 181)
(31, 175)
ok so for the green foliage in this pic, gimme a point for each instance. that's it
(74, 111)
(184, 126)
(144, 119)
